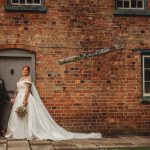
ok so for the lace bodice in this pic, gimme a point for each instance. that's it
(21, 86)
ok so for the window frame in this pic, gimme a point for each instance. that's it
(132, 11)
(25, 7)
(145, 97)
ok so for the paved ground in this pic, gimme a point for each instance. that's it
(121, 143)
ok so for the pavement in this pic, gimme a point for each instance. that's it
(116, 143)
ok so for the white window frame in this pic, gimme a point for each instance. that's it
(26, 3)
(143, 59)
(137, 8)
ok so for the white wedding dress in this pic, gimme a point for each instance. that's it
(38, 124)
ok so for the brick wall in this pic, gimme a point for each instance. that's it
(99, 94)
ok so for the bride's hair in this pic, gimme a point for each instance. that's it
(26, 66)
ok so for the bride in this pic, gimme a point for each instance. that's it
(37, 124)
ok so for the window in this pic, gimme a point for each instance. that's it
(26, 2)
(130, 4)
(132, 8)
(146, 75)
(25, 5)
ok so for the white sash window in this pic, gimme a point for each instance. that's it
(26, 5)
(26, 2)
(130, 4)
(146, 75)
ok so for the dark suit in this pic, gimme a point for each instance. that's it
(4, 98)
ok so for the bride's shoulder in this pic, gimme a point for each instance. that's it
(29, 78)
(28, 81)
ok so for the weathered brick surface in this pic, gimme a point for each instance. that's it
(100, 94)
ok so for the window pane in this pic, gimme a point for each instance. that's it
(15, 1)
(126, 4)
(22, 1)
(140, 4)
(147, 75)
(30, 1)
(119, 3)
(147, 87)
(133, 3)
(147, 62)
(37, 1)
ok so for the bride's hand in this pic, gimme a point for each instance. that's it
(12, 100)
(25, 103)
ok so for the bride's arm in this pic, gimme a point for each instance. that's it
(13, 100)
(15, 95)
(27, 90)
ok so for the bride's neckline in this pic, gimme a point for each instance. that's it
(24, 78)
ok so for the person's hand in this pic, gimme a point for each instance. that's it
(12, 100)
(25, 102)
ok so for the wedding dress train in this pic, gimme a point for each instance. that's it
(38, 124)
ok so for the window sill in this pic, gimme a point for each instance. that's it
(132, 13)
(145, 100)
(26, 8)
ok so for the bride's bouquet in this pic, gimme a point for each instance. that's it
(21, 111)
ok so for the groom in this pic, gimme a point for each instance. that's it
(4, 98)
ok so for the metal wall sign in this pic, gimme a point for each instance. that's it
(86, 55)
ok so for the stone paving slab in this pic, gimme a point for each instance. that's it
(3, 146)
(119, 143)
(103, 143)
(144, 138)
(40, 142)
(18, 145)
(19, 149)
(3, 141)
(63, 145)
(139, 141)
(84, 144)
(42, 147)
